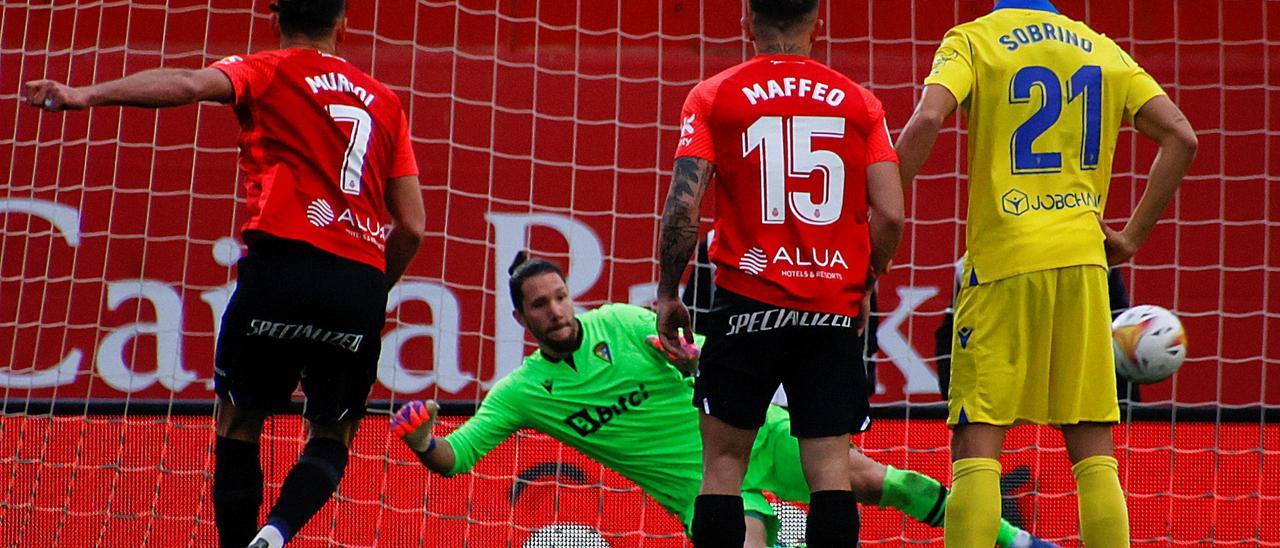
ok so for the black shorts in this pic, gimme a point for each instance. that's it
(299, 313)
(752, 347)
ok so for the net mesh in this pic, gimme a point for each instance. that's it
(550, 125)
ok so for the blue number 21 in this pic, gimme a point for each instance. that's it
(1085, 82)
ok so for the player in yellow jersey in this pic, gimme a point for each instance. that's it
(1045, 97)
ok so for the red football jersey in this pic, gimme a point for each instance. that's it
(319, 138)
(791, 140)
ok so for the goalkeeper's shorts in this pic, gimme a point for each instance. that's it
(1034, 348)
(299, 313)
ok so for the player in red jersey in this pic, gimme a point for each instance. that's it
(336, 215)
(801, 155)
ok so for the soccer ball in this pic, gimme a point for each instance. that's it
(1149, 343)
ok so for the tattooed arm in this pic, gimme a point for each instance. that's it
(678, 238)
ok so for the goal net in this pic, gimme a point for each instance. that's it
(550, 126)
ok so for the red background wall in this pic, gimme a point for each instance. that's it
(569, 109)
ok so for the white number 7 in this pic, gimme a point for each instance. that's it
(767, 134)
(353, 163)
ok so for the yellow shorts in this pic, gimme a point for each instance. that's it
(1034, 348)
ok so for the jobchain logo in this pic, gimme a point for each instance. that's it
(1016, 202)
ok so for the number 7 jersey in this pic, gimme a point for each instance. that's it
(1045, 97)
(319, 139)
(790, 140)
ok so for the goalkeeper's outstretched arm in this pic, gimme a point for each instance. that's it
(415, 424)
(496, 420)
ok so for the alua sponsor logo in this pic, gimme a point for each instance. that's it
(825, 258)
(321, 214)
(754, 261)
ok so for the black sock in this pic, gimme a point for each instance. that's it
(309, 485)
(833, 520)
(237, 491)
(717, 522)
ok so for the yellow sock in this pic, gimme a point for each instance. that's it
(1104, 518)
(973, 509)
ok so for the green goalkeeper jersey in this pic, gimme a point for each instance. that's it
(619, 402)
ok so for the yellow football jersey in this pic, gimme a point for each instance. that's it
(1045, 97)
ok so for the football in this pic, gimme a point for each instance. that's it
(1149, 343)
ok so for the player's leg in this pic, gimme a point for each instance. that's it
(335, 404)
(1084, 384)
(828, 392)
(735, 382)
(237, 473)
(920, 497)
(341, 304)
(718, 510)
(761, 522)
(999, 375)
(252, 377)
(1104, 518)
(833, 510)
(755, 533)
(973, 518)
(311, 481)
(775, 467)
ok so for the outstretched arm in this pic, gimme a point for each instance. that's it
(161, 87)
(415, 423)
(499, 416)
(678, 239)
(916, 141)
(1161, 121)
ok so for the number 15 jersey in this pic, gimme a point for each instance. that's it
(319, 139)
(1045, 97)
(791, 140)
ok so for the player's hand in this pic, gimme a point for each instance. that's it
(414, 422)
(690, 348)
(53, 96)
(1120, 247)
(672, 317)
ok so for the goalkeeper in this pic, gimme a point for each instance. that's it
(596, 384)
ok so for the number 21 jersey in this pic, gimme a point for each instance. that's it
(790, 140)
(319, 139)
(1045, 96)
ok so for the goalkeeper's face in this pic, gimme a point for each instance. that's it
(547, 312)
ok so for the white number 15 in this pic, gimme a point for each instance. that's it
(782, 157)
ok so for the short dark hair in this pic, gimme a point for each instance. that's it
(311, 18)
(523, 268)
(782, 14)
